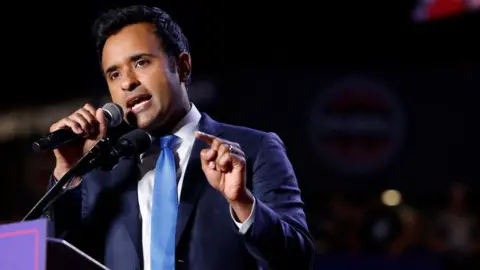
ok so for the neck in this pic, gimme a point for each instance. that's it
(173, 119)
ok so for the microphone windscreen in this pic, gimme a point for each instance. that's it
(138, 139)
(113, 113)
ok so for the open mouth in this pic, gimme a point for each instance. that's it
(138, 102)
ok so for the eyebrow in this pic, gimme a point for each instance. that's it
(132, 58)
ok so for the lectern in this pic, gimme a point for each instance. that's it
(25, 246)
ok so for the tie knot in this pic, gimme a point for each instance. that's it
(169, 141)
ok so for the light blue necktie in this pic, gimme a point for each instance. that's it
(164, 207)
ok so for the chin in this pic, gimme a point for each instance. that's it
(146, 124)
(152, 119)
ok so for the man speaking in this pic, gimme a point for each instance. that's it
(206, 195)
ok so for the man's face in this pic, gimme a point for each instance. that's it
(139, 76)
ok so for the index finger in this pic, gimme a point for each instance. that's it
(90, 108)
(207, 138)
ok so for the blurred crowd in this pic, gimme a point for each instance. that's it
(355, 224)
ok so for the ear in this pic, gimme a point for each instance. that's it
(184, 63)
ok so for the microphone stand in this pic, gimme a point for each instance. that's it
(98, 156)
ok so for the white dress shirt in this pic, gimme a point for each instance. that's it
(185, 131)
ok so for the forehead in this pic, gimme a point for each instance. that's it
(130, 40)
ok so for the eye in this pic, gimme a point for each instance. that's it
(141, 63)
(114, 75)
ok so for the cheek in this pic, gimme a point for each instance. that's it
(118, 97)
(159, 86)
(164, 96)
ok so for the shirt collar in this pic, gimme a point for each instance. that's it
(184, 129)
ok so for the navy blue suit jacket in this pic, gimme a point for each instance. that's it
(102, 217)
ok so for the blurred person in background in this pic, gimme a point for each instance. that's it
(341, 226)
(381, 227)
(456, 231)
(412, 234)
(239, 205)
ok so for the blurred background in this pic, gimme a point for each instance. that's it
(376, 102)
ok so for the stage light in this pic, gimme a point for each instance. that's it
(391, 197)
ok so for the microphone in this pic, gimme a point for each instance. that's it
(103, 154)
(132, 143)
(113, 116)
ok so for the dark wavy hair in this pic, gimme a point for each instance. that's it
(169, 32)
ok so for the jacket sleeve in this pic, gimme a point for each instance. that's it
(65, 213)
(279, 236)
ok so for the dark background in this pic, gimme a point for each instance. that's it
(270, 65)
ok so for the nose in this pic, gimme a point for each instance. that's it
(130, 82)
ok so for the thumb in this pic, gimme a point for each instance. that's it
(102, 127)
(238, 162)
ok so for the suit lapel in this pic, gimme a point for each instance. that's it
(127, 173)
(194, 180)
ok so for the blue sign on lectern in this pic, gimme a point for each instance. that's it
(26, 246)
(23, 245)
